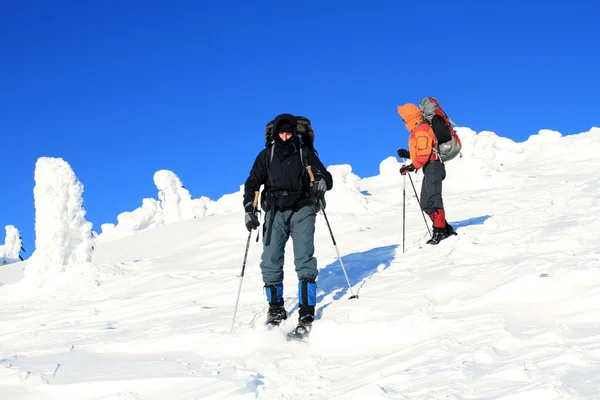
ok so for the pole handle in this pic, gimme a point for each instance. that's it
(310, 173)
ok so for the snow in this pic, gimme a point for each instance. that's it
(508, 309)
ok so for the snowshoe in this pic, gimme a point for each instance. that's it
(303, 329)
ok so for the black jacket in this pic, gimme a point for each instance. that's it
(286, 180)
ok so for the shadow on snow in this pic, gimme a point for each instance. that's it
(470, 221)
(359, 267)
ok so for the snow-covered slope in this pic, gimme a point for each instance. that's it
(508, 309)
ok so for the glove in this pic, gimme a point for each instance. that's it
(318, 188)
(406, 169)
(403, 153)
(250, 220)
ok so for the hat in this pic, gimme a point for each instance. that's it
(285, 128)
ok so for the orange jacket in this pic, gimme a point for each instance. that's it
(422, 141)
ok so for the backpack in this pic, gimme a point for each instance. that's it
(449, 148)
(303, 132)
(302, 126)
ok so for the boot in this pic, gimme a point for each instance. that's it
(306, 316)
(276, 314)
(439, 234)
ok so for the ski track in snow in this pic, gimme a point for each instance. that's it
(508, 309)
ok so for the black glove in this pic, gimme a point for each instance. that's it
(403, 153)
(251, 220)
(406, 169)
(318, 188)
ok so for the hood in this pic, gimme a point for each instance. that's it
(283, 119)
(410, 115)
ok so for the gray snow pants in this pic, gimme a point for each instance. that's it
(300, 225)
(434, 173)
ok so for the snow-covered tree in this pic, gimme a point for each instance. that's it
(174, 204)
(175, 200)
(64, 239)
(13, 246)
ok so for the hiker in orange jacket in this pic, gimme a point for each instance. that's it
(423, 153)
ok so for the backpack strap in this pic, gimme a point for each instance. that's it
(303, 157)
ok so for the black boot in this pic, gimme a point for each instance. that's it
(306, 316)
(439, 234)
(276, 314)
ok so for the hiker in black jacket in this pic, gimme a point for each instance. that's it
(290, 202)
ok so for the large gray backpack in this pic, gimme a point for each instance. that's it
(448, 148)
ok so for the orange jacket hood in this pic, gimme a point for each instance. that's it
(410, 114)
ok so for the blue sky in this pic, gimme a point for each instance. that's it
(121, 89)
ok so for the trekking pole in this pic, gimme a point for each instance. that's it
(403, 213)
(419, 201)
(353, 296)
(243, 265)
